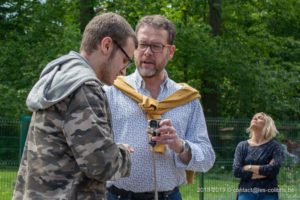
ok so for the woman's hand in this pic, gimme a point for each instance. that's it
(257, 176)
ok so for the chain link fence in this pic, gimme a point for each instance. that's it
(217, 184)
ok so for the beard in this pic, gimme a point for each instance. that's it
(149, 73)
(105, 73)
(107, 70)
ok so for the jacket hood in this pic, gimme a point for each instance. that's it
(59, 79)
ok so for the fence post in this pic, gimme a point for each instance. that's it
(201, 186)
(23, 135)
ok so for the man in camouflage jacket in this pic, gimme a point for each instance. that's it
(69, 151)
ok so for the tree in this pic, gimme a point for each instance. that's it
(242, 55)
(86, 12)
(34, 34)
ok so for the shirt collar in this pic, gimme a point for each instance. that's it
(140, 83)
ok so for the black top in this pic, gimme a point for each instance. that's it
(257, 155)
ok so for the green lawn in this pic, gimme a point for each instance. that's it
(216, 187)
(7, 179)
(213, 189)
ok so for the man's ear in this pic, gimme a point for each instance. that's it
(171, 52)
(106, 45)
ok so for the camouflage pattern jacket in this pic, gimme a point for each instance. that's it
(69, 151)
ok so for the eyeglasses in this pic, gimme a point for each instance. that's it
(155, 48)
(127, 56)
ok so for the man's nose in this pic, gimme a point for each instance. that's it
(148, 50)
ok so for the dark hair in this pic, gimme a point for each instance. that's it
(159, 22)
(106, 25)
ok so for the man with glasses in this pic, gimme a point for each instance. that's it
(137, 98)
(70, 152)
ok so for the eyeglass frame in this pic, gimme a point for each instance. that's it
(124, 52)
(150, 45)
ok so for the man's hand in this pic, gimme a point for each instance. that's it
(168, 135)
(128, 148)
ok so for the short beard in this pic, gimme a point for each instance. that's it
(113, 52)
(153, 72)
(146, 73)
(106, 68)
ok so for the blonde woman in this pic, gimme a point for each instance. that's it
(257, 161)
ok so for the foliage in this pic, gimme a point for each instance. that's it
(34, 33)
(253, 65)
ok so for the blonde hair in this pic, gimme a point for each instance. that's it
(269, 131)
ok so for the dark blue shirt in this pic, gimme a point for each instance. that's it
(257, 155)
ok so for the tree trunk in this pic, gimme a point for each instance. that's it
(185, 65)
(86, 13)
(210, 102)
(210, 98)
(214, 19)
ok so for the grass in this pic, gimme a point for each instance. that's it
(7, 179)
(216, 187)
(224, 187)
(213, 189)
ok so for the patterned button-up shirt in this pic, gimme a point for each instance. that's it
(130, 125)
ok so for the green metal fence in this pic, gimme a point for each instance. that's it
(217, 184)
(10, 132)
